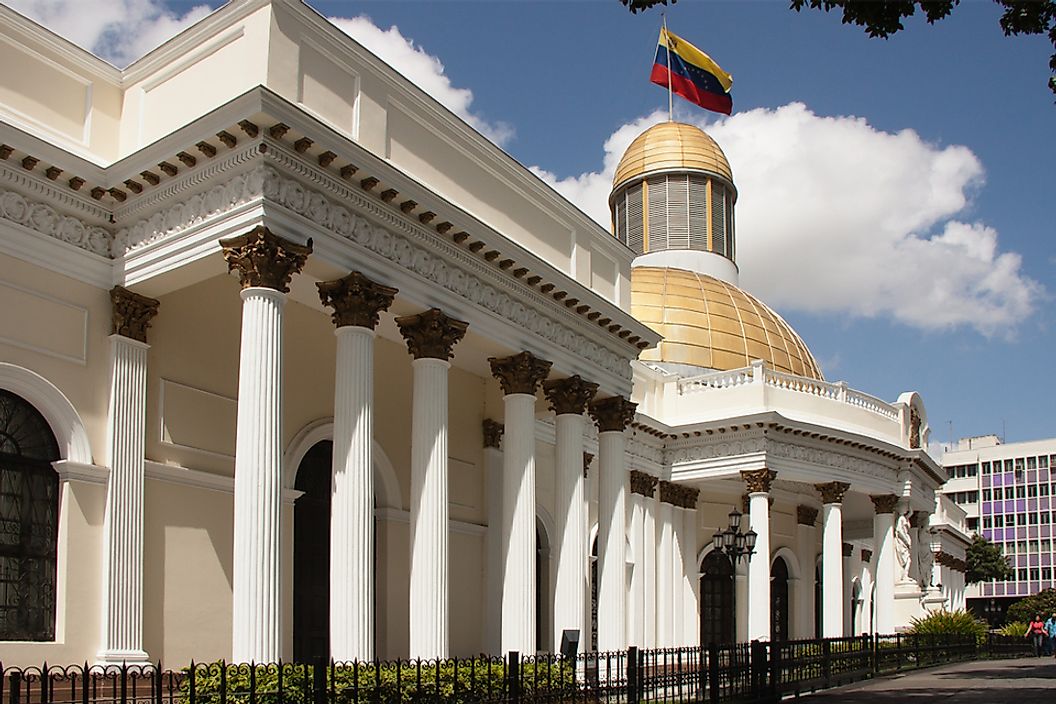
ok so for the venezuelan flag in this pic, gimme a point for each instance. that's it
(692, 74)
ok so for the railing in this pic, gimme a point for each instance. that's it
(745, 672)
(761, 374)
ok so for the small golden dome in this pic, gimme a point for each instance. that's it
(672, 145)
(710, 323)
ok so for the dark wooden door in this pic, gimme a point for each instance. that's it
(311, 556)
(716, 600)
(779, 601)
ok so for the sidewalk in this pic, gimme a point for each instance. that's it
(1020, 681)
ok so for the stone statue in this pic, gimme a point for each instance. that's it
(925, 558)
(903, 546)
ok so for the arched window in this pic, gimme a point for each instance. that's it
(779, 601)
(716, 599)
(29, 521)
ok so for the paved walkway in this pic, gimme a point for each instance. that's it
(1020, 681)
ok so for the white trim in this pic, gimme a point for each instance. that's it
(62, 417)
(49, 253)
(398, 515)
(791, 561)
(161, 420)
(175, 474)
(75, 471)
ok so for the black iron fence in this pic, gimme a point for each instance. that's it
(743, 673)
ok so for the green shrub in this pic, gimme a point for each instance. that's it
(950, 623)
(1044, 603)
(1014, 628)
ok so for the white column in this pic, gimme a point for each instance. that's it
(568, 400)
(665, 571)
(806, 552)
(636, 632)
(649, 574)
(691, 592)
(256, 579)
(122, 618)
(493, 539)
(518, 526)
(848, 582)
(352, 498)
(832, 558)
(678, 573)
(759, 568)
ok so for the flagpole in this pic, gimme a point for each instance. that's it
(670, 102)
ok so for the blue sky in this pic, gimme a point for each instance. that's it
(895, 195)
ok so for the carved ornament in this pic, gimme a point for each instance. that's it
(431, 335)
(678, 495)
(848, 550)
(356, 300)
(642, 483)
(519, 373)
(264, 259)
(884, 503)
(612, 414)
(758, 481)
(806, 515)
(131, 313)
(46, 220)
(569, 395)
(492, 433)
(587, 459)
(914, 429)
(832, 492)
(867, 555)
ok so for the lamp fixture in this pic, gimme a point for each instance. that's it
(732, 542)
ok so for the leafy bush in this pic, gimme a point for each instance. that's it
(402, 682)
(950, 623)
(1014, 628)
(1044, 603)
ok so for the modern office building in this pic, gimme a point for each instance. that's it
(294, 362)
(1006, 491)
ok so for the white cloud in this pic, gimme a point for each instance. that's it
(119, 31)
(421, 68)
(836, 216)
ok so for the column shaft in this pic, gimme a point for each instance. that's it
(676, 595)
(429, 604)
(665, 570)
(256, 582)
(518, 527)
(612, 532)
(806, 551)
(832, 571)
(691, 581)
(759, 568)
(636, 631)
(123, 519)
(884, 604)
(352, 498)
(649, 572)
(570, 522)
(493, 548)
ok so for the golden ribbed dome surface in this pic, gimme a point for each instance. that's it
(709, 323)
(672, 145)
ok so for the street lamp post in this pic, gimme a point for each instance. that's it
(732, 542)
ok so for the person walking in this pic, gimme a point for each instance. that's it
(1050, 633)
(1036, 632)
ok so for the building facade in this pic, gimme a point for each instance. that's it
(293, 362)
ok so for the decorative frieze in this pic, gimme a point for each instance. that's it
(806, 515)
(642, 483)
(431, 334)
(492, 433)
(132, 313)
(356, 300)
(884, 503)
(832, 492)
(612, 414)
(678, 494)
(46, 220)
(758, 480)
(263, 259)
(569, 395)
(519, 373)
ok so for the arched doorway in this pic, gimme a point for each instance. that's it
(29, 521)
(716, 599)
(594, 595)
(856, 607)
(311, 555)
(542, 588)
(779, 601)
(817, 602)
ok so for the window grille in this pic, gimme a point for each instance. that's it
(634, 218)
(718, 219)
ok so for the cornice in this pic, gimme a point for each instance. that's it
(44, 219)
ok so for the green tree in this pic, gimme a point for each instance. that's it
(985, 562)
(1043, 603)
(882, 18)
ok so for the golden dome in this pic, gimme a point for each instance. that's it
(710, 323)
(672, 145)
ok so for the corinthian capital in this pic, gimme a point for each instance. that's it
(431, 335)
(758, 480)
(519, 373)
(356, 300)
(569, 395)
(492, 433)
(132, 313)
(263, 259)
(884, 503)
(832, 492)
(612, 414)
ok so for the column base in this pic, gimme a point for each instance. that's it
(122, 657)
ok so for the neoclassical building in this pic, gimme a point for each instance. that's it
(294, 362)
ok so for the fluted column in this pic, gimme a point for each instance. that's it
(122, 617)
(612, 416)
(884, 542)
(357, 303)
(806, 551)
(832, 558)
(265, 264)
(691, 581)
(649, 574)
(493, 562)
(568, 399)
(758, 484)
(520, 376)
(643, 486)
(665, 571)
(431, 337)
